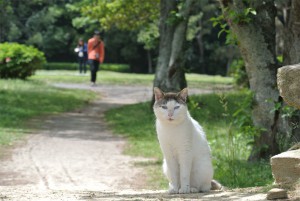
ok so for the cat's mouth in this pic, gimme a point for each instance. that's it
(170, 119)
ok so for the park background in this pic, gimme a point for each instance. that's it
(208, 56)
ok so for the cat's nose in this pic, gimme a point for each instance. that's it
(170, 114)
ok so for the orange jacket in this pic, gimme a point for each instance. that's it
(96, 52)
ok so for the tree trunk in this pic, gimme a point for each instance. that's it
(169, 72)
(256, 41)
(200, 43)
(291, 56)
(150, 68)
(291, 53)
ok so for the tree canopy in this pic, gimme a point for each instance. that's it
(124, 15)
(55, 27)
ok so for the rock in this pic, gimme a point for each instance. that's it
(277, 193)
(289, 84)
(286, 167)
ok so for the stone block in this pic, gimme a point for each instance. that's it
(277, 193)
(288, 80)
(286, 167)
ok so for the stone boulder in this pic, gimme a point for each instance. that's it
(277, 193)
(286, 167)
(288, 80)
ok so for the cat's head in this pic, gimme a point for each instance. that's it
(170, 107)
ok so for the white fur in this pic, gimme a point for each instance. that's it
(187, 159)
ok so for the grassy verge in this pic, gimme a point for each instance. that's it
(229, 144)
(75, 66)
(21, 100)
(108, 77)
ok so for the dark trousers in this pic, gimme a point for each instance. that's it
(94, 65)
(82, 64)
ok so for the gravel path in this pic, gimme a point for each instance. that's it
(73, 156)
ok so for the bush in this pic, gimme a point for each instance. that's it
(74, 66)
(239, 74)
(19, 61)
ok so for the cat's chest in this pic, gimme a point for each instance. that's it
(174, 134)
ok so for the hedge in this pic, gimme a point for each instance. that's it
(74, 66)
(19, 61)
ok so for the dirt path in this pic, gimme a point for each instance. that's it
(74, 156)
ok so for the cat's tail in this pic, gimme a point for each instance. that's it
(215, 185)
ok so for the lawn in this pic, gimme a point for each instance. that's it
(221, 116)
(21, 100)
(109, 77)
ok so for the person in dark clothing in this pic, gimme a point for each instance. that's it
(95, 55)
(81, 51)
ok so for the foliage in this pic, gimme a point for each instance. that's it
(149, 35)
(230, 37)
(22, 100)
(239, 74)
(229, 151)
(240, 128)
(19, 61)
(205, 52)
(55, 27)
(74, 66)
(42, 23)
(286, 113)
(243, 16)
(124, 15)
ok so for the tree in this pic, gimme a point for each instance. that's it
(174, 16)
(124, 15)
(291, 56)
(42, 23)
(255, 33)
(5, 13)
(205, 52)
(253, 25)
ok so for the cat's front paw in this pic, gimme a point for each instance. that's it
(184, 190)
(194, 190)
(173, 189)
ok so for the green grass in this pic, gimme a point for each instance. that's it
(230, 146)
(108, 77)
(22, 100)
(74, 66)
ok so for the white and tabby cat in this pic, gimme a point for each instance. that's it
(187, 157)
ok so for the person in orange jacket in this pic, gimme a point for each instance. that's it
(95, 55)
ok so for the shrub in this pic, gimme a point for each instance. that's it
(19, 61)
(239, 74)
(74, 66)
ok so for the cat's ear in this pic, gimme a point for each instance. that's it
(158, 93)
(183, 94)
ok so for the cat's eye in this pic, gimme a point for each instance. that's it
(164, 107)
(176, 107)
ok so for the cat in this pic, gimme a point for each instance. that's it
(187, 158)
